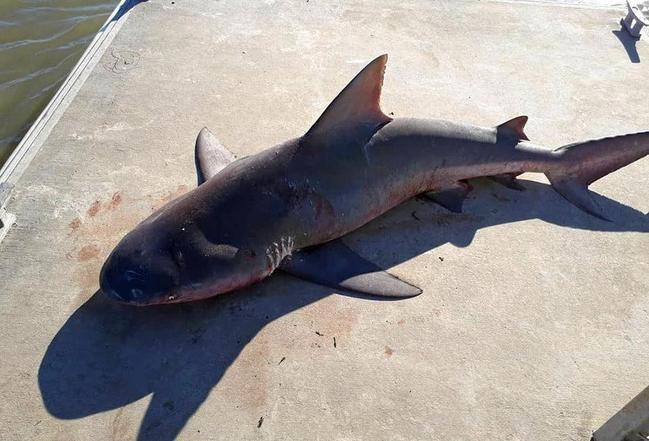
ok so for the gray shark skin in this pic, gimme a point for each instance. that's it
(287, 207)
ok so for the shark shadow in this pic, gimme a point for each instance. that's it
(109, 355)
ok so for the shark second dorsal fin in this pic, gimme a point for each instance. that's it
(514, 127)
(357, 106)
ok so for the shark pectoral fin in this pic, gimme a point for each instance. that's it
(508, 180)
(335, 265)
(210, 156)
(450, 198)
(577, 193)
(513, 128)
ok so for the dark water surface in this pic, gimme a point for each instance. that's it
(40, 42)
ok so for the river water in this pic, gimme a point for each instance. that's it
(40, 42)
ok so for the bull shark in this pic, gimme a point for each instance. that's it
(287, 207)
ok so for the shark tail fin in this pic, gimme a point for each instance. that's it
(581, 164)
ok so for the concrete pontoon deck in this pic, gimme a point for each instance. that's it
(534, 322)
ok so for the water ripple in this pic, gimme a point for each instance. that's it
(39, 45)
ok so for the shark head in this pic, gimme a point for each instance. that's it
(176, 255)
(164, 260)
(141, 270)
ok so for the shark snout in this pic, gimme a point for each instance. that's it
(138, 280)
(119, 284)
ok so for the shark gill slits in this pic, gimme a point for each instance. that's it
(131, 275)
(179, 258)
(225, 251)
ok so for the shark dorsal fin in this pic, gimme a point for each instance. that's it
(356, 106)
(514, 127)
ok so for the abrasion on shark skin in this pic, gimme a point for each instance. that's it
(287, 207)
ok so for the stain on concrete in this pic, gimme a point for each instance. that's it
(115, 201)
(169, 196)
(94, 209)
(88, 252)
(97, 206)
(346, 317)
(75, 224)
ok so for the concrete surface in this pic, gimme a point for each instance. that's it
(533, 322)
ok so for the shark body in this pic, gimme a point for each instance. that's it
(287, 207)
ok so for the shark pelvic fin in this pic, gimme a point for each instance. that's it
(451, 198)
(514, 127)
(335, 265)
(210, 156)
(357, 106)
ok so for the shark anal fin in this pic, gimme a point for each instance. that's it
(335, 265)
(513, 128)
(451, 198)
(508, 180)
(577, 193)
(210, 156)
